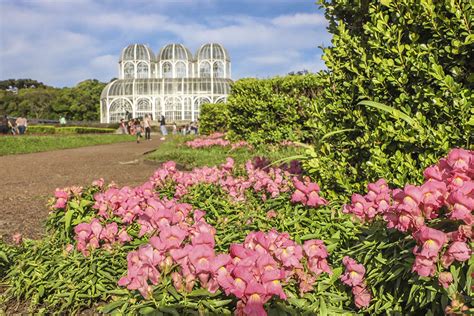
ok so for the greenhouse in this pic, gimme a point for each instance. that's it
(174, 83)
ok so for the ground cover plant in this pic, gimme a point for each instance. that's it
(253, 239)
(10, 145)
(190, 152)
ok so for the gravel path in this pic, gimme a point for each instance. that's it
(28, 180)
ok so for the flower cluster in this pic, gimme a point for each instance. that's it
(271, 181)
(62, 196)
(307, 193)
(207, 142)
(447, 193)
(354, 277)
(254, 271)
(376, 201)
(93, 235)
(241, 144)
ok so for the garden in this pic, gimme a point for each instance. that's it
(349, 191)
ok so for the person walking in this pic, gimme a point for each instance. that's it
(21, 124)
(164, 131)
(138, 130)
(147, 125)
(175, 128)
(123, 126)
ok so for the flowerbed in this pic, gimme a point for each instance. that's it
(252, 240)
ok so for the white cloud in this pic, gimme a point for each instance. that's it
(300, 19)
(65, 42)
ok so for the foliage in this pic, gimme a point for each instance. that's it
(79, 103)
(56, 276)
(188, 158)
(411, 56)
(10, 145)
(47, 129)
(408, 62)
(213, 118)
(20, 84)
(272, 110)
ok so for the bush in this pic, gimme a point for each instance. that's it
(412, 56)
(272, 110)
(46, 129)
(213, 118)
(41, 129)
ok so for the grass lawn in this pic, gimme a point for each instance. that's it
(187, 158)
(10, 145)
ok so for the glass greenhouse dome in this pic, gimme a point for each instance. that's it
(174, 83)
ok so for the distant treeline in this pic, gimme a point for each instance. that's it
(33, 99)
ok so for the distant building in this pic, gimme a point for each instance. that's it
(174, 84)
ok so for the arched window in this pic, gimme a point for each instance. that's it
(188, 109)
(128, 71)
(167, 70)
(143, 108)
(142, 70)
(205, 70)
(218, 69)
(180, 69)
(173, 109)
(158, 110)
(118, 110)
(197, 106)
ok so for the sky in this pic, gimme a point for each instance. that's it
(63, 42)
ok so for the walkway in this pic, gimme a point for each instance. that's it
(28, 180)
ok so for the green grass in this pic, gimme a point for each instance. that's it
(187, 158)
(10, 145)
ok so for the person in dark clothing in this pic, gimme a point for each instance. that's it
(4, 125)
(164, 131)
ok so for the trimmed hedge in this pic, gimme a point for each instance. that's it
(213, 118)
(272, 110)
(415, 57)
(47, 129)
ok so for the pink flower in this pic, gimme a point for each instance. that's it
(201, 257)
(424, 266)
(257, 296)
(362, 296)
(271, 214)
(354, 273)
(432, 241)
(445, 279)
(98, 183)
(458, 251)
(61, 198)
(315, 248)
(17, 238)
(459, 159)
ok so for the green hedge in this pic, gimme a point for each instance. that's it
(272, 110)
(47, 129)
(213, 118)
(415, 57)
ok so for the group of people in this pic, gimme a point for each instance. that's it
(138, 126)
(13, 127)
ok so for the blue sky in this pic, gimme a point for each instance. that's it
(62, 42)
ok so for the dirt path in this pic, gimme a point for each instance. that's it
(28, 180)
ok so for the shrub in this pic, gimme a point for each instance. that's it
(46, 129)
(41, 129)
(272, 110)
(213, 118)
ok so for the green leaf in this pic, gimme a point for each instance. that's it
(67, 219)
(392, 111)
